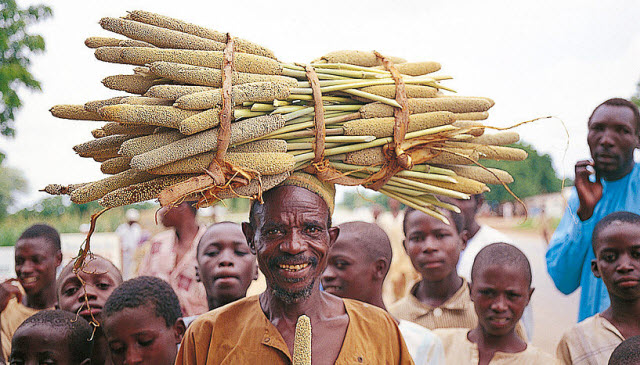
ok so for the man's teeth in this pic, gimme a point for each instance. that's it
(29, 280)
(293, 267)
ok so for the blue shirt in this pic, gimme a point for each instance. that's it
(570, 251)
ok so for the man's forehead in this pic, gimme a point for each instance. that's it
(292, 200)
(613, 114)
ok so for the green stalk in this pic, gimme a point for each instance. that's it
(430, 188)
(431, 199)
(346, 66)
(291, 146)
(373, 97)
(310, 133)
(341, 139)
(433, 169)
(404, 173)
(259, 107)
(414, 205)
(378, 142)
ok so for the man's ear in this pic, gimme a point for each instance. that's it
(248, 231)
(380, 269)
(594, 269)
(179, 329)
(334, 232)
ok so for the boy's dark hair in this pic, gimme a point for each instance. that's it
(625, 103)
(501, 254)
(458, 219)
(78, 330)
(627, 352)
(144, 291)
(625, 217)
(45, 231)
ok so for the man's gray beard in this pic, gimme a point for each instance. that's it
(292, 297)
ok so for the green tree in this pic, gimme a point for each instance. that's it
(636, 97)
(533, 176)
(17, 45)
(11, 181)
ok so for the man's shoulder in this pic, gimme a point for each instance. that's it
(241, 308)
(365, 314)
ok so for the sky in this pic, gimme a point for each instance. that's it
(534, 59)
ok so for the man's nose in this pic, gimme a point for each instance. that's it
(293, 244)
(608, 138)
(430, 244)
(87, 290)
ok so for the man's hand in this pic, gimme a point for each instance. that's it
(8, 291)
(589, 193)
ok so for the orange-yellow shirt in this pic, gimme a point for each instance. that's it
(10, 319)
(240, 333)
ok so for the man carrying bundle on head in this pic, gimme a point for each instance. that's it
(614, 129)
(293, 321)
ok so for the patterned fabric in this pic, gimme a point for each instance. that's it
(589, 342)
(240, 333)
(10, 319)
(160, 262)
(459, 350)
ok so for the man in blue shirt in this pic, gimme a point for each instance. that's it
(609, 183)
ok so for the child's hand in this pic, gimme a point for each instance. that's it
(8, 291)
(589, 193)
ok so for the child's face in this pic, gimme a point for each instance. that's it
(225, 264)
(40, 345)
(618, 259)
(499, 295)
(349, 272)
(100, 278)
(139, 336)
(434, 247)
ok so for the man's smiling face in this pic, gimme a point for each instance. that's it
(291, 238)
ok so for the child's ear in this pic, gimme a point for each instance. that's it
(469, 286)
(594, 269)
(380, 268)
(255, 270)
(530, 294)
(464, 236)
(179, 329)
(198, 274)
(404, 244)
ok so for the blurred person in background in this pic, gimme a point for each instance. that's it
(130, 234)
(401, 273)
(172, 256)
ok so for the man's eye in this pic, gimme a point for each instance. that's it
(241, 253)
(635, 254)
(609, 257)
(313, 229)
(273, 231)
(487, 292)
